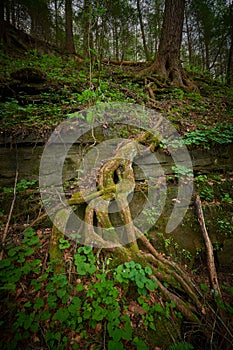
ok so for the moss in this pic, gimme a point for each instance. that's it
(55, 254)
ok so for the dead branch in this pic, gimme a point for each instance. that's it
(209, 248)
(10, 213)
(123, 63)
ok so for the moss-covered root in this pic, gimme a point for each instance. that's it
(189, 309)
(55, 253)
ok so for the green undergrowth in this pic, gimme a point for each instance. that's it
(204, 137)
(85, 307)
(70, 87)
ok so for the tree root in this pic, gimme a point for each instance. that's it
(115, 182)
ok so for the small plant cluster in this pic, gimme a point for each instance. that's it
(221, 134)
(215, 188)
(45, 309)
(204, 137)
(172, 248)
(21, 186)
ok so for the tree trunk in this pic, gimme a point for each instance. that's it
(230, 59)
(142, 31)
(167, 61)
(88, 27)
(56, 22)
(207, 54)
(2, 27)
(116, 41)
(189, 39)
(167, 64)
(7, 10)
(69, 27)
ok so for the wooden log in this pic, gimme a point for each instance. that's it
(123, 63)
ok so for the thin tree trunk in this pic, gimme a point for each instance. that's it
(230, 57)
(116, 39)
(69, 27)
(207, 54)
(101, 41)
(87, 28)
(2, 27)
(190, 53)
(143, 31)
(7, 9)
(13, 13)
(56, 22)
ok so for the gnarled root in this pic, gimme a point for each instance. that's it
(114, 183)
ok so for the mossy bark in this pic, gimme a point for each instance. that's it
(55, 253)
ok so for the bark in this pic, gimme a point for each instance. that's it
(143, 31)
(69, 27)
(207, 54)
(167, 64)
(13, 21)
(2, 27)
(116, 41)
(209, 249)
(87, 36)
(230, 59)
(189, 39)
(56, 21)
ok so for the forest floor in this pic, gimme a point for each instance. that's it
(38, 92)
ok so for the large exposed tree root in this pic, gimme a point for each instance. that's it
(115, 182)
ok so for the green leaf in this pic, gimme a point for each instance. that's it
(139, 281)
(28, 320)
(61, 315)
(39, 303)
(28, 304)
(204, 287)
(115, 345)
(61, 292)
(31, 241)
(52, 301)
(45, 315)
(9, 287)
(130, 264)
(79, 287)
(158, 308)
(13, 251)
(29, 232)
(64, 243)
(28, 251)
(140, 344)
(151, 284)
(5, 263)
(148, 270)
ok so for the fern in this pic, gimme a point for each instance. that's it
(181, 346)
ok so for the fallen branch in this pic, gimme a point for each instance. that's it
(123, 63)
(209, 248)
(10, 214)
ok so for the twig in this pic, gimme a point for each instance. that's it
(209, 248)
(10, 214)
